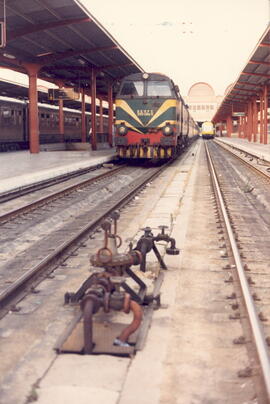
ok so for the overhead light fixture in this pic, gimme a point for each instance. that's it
(44, 54)
(145, 76)
(81, 61)
(47, 74)
(9, 56)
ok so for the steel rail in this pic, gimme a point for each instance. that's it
(250, 166)
(257, 330)
(56, 195)
(19, 286)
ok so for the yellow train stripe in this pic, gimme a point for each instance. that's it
(166, 105)
(118, 122)
(164, 122)
(124, 105)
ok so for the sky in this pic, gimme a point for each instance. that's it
(188, 40)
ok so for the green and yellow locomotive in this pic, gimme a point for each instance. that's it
(152, 119)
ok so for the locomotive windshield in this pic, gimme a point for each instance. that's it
(134, 88)
(158, 89)
(146, 88)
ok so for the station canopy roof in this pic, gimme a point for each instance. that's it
(20, 92)
(250, 83)
(66, 41)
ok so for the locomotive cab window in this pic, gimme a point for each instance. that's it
(159, 89)
(132, 88)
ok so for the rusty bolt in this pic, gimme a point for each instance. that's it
(106, 224)
(255, 297)
(247, 372)
(232, 296)
(262, 317)
(235, 316)
(115, 215)
(240, 340)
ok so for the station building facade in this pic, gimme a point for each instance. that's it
(202, 101)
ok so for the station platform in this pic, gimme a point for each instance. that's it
(261, 151)
(22, 169)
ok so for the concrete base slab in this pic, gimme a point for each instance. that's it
(83, 378)
(75, 394)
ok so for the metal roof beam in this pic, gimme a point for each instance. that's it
(257, 62)
(256, 74)
(238, 99)
(89, 68)
(244, 89)
(113, 66)
(41, 27)
(250, 84)
(48, 59)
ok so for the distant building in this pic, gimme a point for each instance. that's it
(202, 101)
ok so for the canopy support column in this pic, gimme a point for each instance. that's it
(61, 126)
(33, 135)
(101, 122)
(110, 123)
(229, 126)
(255, 120)
(83, 126)
(250, 120)
(93, 109)
(265, 117)
(261, 117)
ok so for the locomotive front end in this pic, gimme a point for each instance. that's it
(146, 117)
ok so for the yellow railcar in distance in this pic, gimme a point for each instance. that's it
(208, 130)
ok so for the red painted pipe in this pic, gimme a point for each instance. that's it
(136, 322)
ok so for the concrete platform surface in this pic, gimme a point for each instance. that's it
(161, 373)
(20, 169)
(132, 380)
(259, 150)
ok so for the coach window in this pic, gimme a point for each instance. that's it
(6, 113)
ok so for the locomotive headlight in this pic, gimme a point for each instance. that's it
(122, 129)
(167, 129)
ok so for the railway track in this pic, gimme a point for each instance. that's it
(27, 189)
(42, 201)
(245, 237)
(254, 163)
(38, 251)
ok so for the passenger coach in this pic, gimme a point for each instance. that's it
(152, 119)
